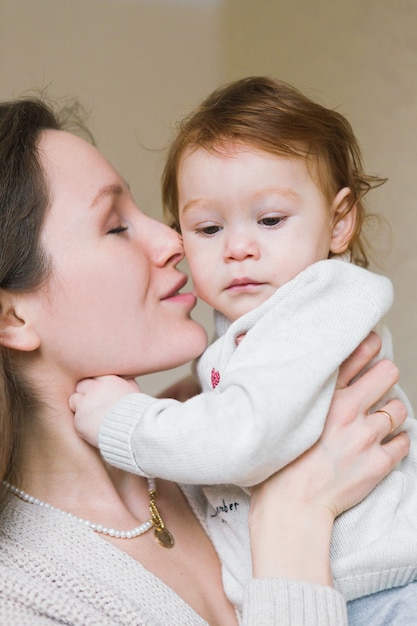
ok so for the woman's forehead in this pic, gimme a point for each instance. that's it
(57, 148)
(73, 165)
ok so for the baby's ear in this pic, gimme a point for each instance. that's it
(15, 331)
(344, 221)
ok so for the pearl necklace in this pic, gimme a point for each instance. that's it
(162, 535)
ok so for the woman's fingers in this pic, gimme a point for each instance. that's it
(388, 418)
(358, 360)
(373, 384)
(396, 449)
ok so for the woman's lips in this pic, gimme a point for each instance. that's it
(174, 295)
(173, 292)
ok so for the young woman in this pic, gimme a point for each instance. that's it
(88, 287)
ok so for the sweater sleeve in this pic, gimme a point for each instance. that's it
(292, 603)
(274, 390)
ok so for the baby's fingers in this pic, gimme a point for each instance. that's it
(73, 402)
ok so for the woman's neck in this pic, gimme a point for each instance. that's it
(59, 467)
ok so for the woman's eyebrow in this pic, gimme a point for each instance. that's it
(114, 189)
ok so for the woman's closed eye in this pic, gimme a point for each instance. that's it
(117, 230)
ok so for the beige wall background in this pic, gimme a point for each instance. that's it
(138, 66)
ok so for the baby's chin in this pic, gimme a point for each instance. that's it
(250, 304)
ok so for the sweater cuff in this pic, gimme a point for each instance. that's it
(292, 603)
(116, 431)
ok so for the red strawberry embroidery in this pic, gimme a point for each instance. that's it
(215, 378)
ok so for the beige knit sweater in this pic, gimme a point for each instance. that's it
(54, 570)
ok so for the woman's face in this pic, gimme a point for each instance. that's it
(111, 304)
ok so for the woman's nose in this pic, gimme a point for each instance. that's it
(163, 243)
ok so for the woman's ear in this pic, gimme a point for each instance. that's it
(344, 221)
(15, 331)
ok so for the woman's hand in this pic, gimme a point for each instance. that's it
(292, 513)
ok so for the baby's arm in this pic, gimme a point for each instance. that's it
(274, 390)
(93, 399)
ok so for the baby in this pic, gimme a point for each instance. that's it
(266, 188)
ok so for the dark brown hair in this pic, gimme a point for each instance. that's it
(273, 116)
(24, 266)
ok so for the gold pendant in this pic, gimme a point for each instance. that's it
(161, 534)
(164, 537)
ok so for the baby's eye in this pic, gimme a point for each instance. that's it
(117, 230)
(270, 221)
(209, 230)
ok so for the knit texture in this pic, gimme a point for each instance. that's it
(54, 570)
(274, 389)
(271, 398)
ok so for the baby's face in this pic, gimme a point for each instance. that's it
(250, 221)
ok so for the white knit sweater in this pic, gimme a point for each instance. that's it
(56, 571)
(270, 400)
(272, 392)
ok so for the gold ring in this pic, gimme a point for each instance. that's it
(388, 416)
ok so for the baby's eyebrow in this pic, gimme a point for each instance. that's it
(287, 192)
(196, 203)
(283, 191)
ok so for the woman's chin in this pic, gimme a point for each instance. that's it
(178, 353)
(199, 343)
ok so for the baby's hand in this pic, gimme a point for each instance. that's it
(93, 399)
